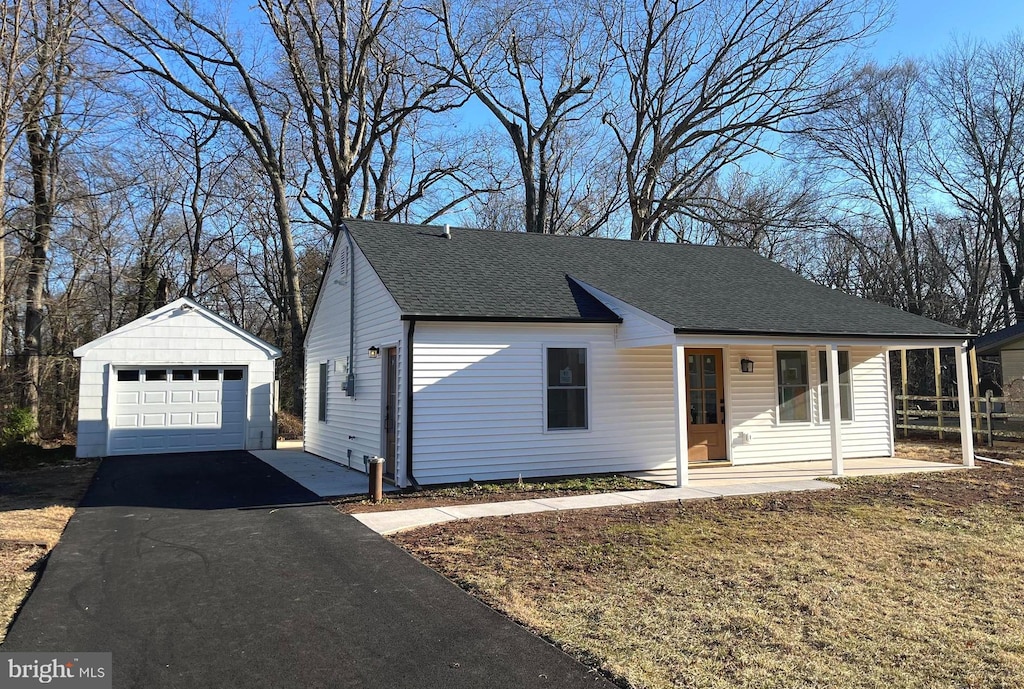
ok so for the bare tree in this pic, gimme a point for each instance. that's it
(202, 60)
(707, 83)
(977, 91)
(15, 55)
(360, 94)
(870, 146)
(57, 55)
(536, 68)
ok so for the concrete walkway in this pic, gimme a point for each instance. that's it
(709, 482)
(321, 476)
(399, 520)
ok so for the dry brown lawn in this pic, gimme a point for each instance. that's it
(35, 506)
(909, 581)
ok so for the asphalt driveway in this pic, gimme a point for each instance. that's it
(215, 570)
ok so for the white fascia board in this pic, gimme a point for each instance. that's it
(665, 331)
(883, 342)
(271, 351)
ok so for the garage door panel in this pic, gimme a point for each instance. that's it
(126, 421)
(195, 412)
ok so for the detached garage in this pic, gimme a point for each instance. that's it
(179, 379)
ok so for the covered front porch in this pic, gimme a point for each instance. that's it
(791, 408)
(725, 474)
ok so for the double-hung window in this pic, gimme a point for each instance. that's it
(566, 388)
(845, 387)
(793, 386)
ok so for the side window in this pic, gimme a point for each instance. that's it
(794, 404)
(566, 388)
(322, 406)
(845, 387)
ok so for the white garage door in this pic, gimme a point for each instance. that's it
(177, 409)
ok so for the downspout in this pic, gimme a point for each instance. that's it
(408, 405)
(350, 379)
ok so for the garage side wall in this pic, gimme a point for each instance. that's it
(179, 338)
(92, 403)
(353, 425)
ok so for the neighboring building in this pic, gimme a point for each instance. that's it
(178, 379)
(487, 355)
(1008, 345)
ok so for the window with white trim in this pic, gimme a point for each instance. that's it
(845, 386)
(793, 386)
(566, 388)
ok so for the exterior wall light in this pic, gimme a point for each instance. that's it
(373, 352)
(746, 366)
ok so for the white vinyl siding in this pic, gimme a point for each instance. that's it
(353, 428)
(1012, 365)
(479, 403)
(751, 408)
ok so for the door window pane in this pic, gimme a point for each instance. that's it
(128, 375)
(232, 374)
(181, 374)
(208, 374)
(155, 374)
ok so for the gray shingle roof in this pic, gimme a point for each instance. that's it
(993, 342)
(488, 275)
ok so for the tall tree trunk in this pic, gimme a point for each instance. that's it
(35, 279)
(293, 293)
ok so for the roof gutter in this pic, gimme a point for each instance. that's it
(780, 333)
(502, 319)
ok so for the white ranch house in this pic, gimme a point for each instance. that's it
(462, 354)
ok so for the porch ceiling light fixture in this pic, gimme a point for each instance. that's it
(746, 366)
(373, 352)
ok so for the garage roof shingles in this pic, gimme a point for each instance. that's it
(489, 275)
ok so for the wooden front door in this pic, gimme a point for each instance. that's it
(705, 395)
(390, 409)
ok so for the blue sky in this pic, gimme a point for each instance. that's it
(922, 28)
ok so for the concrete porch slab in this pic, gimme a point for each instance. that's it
(704, 477)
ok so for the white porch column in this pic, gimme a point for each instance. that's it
(682, 406)
(963, 390)
(835, 410)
